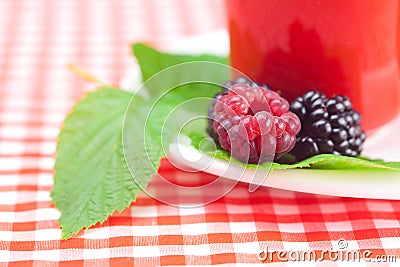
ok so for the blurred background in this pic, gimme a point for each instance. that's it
(39, 37)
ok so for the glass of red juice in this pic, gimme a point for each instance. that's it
(348, 47)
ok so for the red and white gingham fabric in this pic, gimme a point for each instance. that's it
(37, 40)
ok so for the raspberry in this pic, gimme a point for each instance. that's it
(252, 122)
(329, 126)
(242, 80)
(225, 89)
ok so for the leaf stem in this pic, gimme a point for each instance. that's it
(85, 75)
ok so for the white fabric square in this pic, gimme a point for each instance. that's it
(296, 246)
(46, 255)
(46, 214)
(332, 207)
(291, 227)
(6, 236)
(380, 206)
(185, 211)
(8, 198)
(239, 209)
(146, 251)
(247, 247)
(47, 234)
(144, 211)
(194, 229)
(381, 223)
(339, 226)
(4, 256)
(96, 253)
(391, 242)
(197, 250)
(286, 209)
(242, 227)
(97, 233)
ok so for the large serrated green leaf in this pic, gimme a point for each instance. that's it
(91, 179)
(144, 135)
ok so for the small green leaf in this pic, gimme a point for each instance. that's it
(192, 76)
(91, 179)
(152, 61)
(323, 161)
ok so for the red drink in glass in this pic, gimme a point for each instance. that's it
(348, 47)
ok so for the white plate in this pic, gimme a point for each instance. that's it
(382, 144)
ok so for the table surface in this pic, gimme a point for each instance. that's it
(37, 40)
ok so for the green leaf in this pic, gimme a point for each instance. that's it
(91, 179)
(337, 162)
(145, 136)
(191, 76)
(152, 61)
(324, 161)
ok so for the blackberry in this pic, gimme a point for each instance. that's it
(329, 126)
(252, 122)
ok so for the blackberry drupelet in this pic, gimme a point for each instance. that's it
(329, 126)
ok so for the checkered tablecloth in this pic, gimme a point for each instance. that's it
(37, 39)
